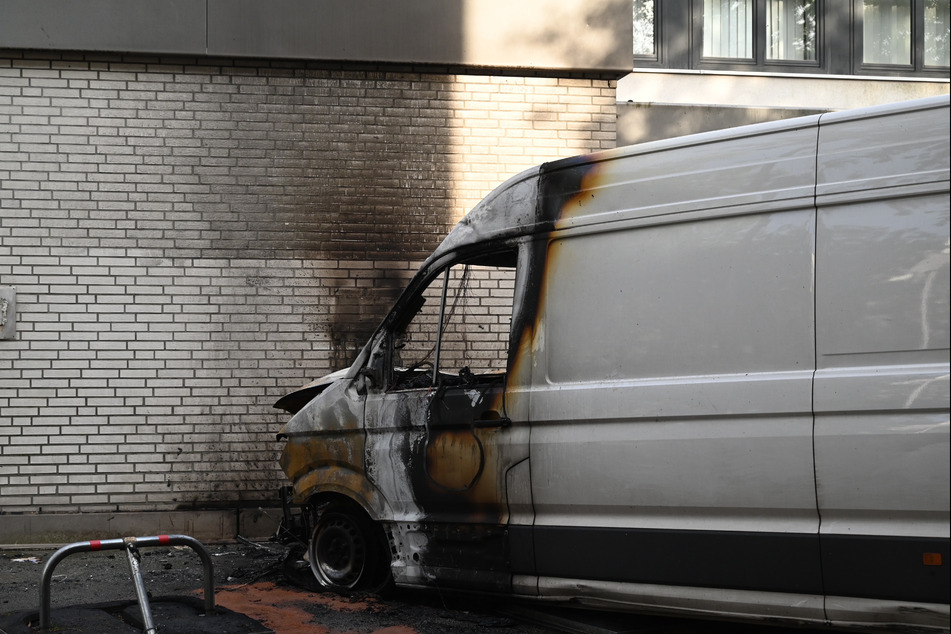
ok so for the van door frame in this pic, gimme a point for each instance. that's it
(449, 526)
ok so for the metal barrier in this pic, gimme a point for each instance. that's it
(131, 545)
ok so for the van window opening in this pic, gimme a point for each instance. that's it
(459, 333)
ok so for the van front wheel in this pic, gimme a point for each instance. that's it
(346, 551)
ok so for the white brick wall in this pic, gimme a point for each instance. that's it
(189, 239)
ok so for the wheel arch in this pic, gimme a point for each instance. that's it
(337, 483)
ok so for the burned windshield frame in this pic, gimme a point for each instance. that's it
(459, 313)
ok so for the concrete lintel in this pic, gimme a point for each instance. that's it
(761, 90)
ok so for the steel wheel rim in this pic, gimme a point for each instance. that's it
(338, 551)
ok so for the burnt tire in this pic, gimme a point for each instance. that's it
(347, 551)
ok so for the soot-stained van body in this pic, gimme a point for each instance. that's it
(705, 376)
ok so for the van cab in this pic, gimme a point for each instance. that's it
(705, 376)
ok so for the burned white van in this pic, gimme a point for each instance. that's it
(705, 376)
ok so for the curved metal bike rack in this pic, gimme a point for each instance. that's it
(131, 545)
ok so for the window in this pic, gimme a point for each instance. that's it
(743, 34)
(760, 31)
(731, 28)
(728, 28)
(904, 36)
(644, 34)
(886, 31)
(843, 37)
(937, 28)
(460, 327)
(791, 31)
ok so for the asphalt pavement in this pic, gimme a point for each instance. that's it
(93, 593)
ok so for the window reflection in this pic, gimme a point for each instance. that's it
(728, 28)
(644, 27)
(886, 31)
(937, 29)
(791, 30)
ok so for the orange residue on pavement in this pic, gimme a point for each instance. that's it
(284, 609)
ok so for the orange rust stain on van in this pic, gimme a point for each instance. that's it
(456, 461)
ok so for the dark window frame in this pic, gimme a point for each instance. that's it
(916, 68)
(758, 63)
(678, 28)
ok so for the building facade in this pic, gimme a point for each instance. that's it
(707, 64)
(207, 204)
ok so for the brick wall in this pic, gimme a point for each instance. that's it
(189, 239)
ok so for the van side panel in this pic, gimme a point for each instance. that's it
(881, 388)
(671, 443)
(672, 432)
(720, 173)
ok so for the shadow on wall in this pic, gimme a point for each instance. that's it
(641, 122)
